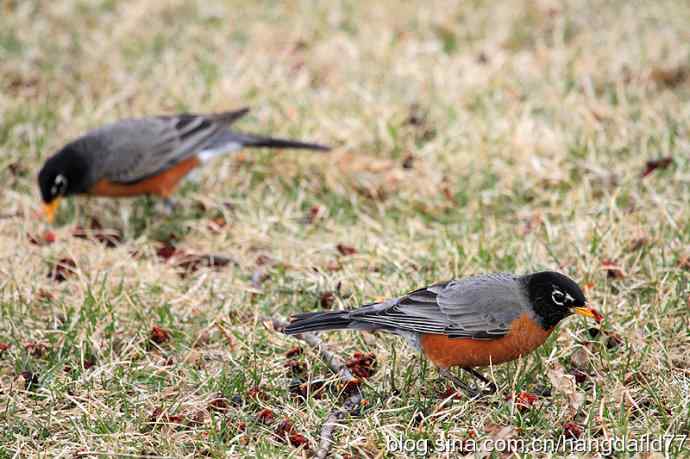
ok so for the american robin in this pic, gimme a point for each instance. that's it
(145, 156)
(472, 322)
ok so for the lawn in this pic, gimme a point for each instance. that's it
(468, 137)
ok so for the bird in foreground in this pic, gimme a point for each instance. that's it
(145, 156)
(472, 322)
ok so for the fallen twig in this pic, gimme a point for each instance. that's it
(338, 366)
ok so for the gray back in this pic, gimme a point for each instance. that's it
(481, 307)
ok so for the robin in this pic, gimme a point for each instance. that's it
(472, 322)
(145, 156)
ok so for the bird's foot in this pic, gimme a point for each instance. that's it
(491, 386)
(471, 393)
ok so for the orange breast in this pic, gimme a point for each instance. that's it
(525, 336)
(162, 184)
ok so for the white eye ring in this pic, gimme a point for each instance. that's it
(562, 296)
(59, 185)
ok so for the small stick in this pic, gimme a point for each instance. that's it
(338, 366)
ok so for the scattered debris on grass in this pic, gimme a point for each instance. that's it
(159, 335)
(31, 380)
(285, 431)
(346, 250)
(64, 268)
(523, 400)
(652, 165)
(266, 416)
(327, 299)
(362, 365)
(572, 431)
(108, 237)
(315, 214)
(613, 271)
(36, 349)
(48, 237)
(670, 77)
(188, 262)
(293, 352)
(565, 385)
(219, 403)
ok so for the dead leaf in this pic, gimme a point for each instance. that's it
(295, 366)
(497, 433)
(638, 242)
(47, 238)
(572, 431)
(35, 349)
(216, 225)
(670, 77)
(613, 271)
(362, 365)
(303, 389)
(523, 400)
(31, 380)
(266, 416)
(613, 341)
(167, 251)
(192, 263)
(565, 385)
(256, 394)
(346, 250)
(219, 403)
(327, 299)
(286, 431)
(652, 165)
(579, 375)
(684, 262)
(579, 358)
(108, 237)
(450, 391)
(295, 351)
(159, 335)
(408, 162)
(315, 213)
(64, 268)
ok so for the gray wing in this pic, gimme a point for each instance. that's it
(480, 307)
(134, 149)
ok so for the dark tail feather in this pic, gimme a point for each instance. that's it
(252, 140)
(230, 117)
(318, 321)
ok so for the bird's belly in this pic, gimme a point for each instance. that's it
(162, 184)
(525, 335)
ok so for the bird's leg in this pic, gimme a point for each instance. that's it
(491, 386)
(446, 373)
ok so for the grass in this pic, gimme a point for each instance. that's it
(469, 137)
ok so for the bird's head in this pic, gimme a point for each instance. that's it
(554, 296)
(62, 174)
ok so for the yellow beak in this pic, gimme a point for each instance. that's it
(589, 312)
(50, 208)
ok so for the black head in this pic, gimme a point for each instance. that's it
(63, 174)
(554, 296)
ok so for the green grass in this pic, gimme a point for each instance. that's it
(468, 137)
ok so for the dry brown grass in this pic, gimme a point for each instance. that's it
(470, 137)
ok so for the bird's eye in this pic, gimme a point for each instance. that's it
(59, 185)
(558, 297)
